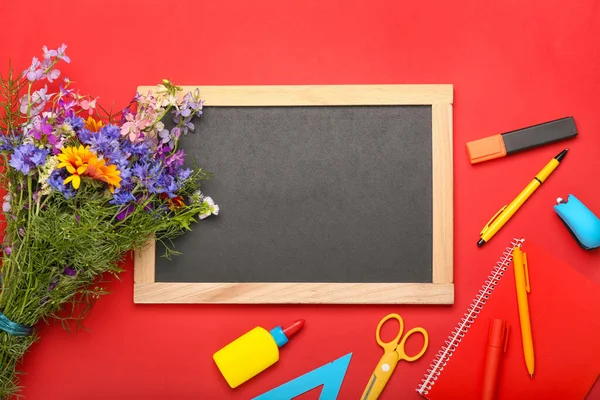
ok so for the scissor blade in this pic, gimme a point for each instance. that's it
(381, 375)
(369, 387)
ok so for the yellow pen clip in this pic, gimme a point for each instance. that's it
(492, 220)
(526, 266)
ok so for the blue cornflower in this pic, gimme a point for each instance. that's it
(121, 197)
(27, 157)
(75, 122)
(140, 150)
(165, 183)
(107, 147)
(7, 142)
(85, 136)
(111, 131)
(146, 172)
(56, 180)
(123, 166)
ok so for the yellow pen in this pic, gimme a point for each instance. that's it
(523, 287)
(506, 212)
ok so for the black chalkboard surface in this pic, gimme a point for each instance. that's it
(321, 194)
(311, 194)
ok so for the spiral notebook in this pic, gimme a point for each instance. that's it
(564, 307)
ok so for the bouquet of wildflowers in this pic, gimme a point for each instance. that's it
(83, 187)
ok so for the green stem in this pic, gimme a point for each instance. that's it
(149, 128)
(29, 98)
(8, 311)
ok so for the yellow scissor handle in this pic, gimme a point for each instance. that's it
(392, 344)
(401, 351)
(393, 352)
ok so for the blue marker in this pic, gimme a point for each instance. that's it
(580, 221)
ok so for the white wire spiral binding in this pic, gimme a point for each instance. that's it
(456, 336)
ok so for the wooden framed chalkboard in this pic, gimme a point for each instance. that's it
(328, 194)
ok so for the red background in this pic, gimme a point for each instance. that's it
(512, 63)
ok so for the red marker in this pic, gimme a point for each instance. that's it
(497, 340)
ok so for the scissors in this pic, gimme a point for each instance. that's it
(393, 352)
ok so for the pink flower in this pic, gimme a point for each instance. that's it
(88, 106)
(134, 126)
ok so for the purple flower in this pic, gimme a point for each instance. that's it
(6, 207)
(42, 129)
(185, 124)
(175, 161)
(125, 211)
(28, 157)
(52, 75)
(53, 283)
(69, 271)
(48, 53)
(184, 174)
(165, 138)
(66, 101)
(7, 250)
(33, 73)
(127, 110)
(61, 53)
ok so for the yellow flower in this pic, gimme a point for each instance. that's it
(92, 125)
(81, 161)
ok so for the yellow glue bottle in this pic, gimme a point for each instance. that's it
(253, 352)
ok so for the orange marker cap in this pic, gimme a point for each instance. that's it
(486, 149)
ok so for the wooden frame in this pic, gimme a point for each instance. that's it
(439, 291)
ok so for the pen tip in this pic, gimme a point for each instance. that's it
(531, 376)
(561, 155)
(480, 243)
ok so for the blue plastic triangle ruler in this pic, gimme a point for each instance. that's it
(330, 375)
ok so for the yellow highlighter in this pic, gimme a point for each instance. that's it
(523, 287)
(506, 212)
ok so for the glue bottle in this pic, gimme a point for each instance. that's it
(253, 352)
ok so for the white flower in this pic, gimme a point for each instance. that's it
(45, 172)
(197, 197)
(213, 209)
